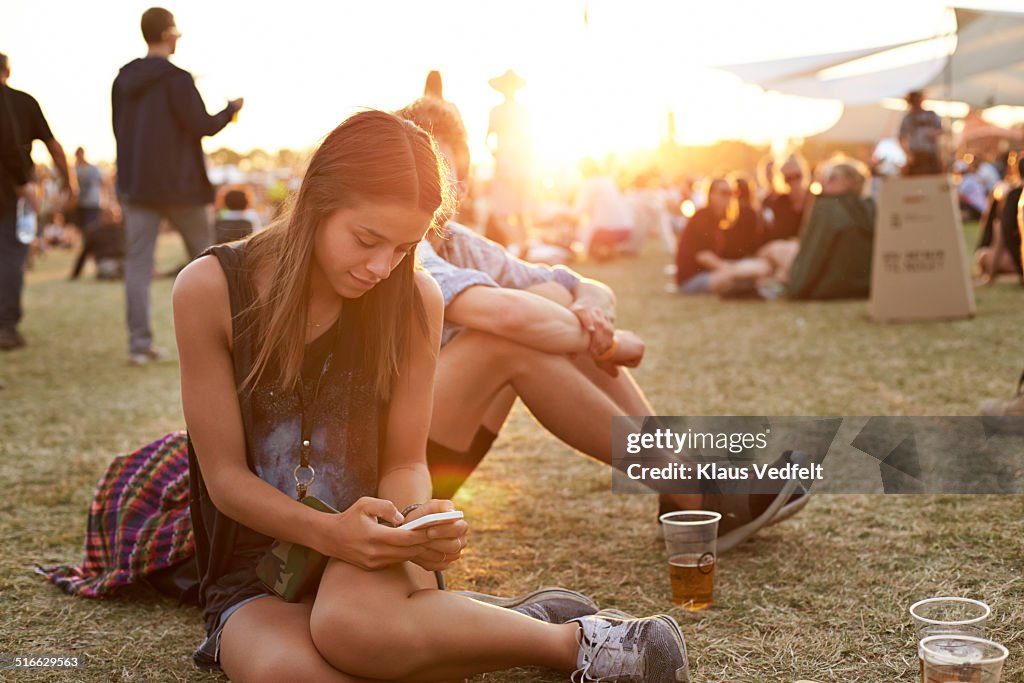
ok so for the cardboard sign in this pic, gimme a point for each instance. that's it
(918, 269)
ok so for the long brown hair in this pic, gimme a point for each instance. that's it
(372, 156)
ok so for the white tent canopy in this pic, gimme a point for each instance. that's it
(783, 69)
(863, 123)
(985, 69)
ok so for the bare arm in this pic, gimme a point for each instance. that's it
(202, 325)
(593, 304)
(404, 478)
(60, 160)
(589, 294)
(202, 318)
(595, 294)
(521, 316)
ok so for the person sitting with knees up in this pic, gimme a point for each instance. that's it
(545, 335)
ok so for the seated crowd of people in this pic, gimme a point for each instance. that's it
(823, 255)
(818, 245)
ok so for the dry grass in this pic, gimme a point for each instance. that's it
(822, 596)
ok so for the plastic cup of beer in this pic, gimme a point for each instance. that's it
(948, 616)
(691, 537)
(962, 659)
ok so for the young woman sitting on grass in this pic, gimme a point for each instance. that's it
(307, 365)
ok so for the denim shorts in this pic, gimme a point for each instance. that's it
(698, 284)
(207, 655)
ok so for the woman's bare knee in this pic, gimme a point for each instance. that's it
(275, 665)
(372, 644)
(356, 619)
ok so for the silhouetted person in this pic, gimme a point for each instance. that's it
(159, 121)
(21, 122)
(87, 218)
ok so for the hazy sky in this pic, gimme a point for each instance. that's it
(303, 66)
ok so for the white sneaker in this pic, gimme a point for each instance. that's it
(155, 354)
(648, 650)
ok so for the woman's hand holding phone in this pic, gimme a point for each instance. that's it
(445, 540)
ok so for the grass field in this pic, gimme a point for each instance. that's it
(822, 597)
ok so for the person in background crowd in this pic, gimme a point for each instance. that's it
(784, 211)
(998, 251)
(433, 87)
(87, 216)
(920, 132)
(605, 219)
(831, 260)
(704, 232)
(22, 121)
(508, 135)
(159, 121)
(747, 232)
(236, 220)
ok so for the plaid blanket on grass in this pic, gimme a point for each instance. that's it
(139, 521)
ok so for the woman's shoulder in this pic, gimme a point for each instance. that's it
(201, 300)
(204, 275)
(201, 283)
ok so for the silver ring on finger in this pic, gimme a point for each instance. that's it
(444, 557)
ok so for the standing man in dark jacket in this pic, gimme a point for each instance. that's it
(21, 122)
(159, 122)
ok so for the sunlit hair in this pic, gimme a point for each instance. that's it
(371, 157)
(744, 190)
(442, 120)
(766, 172)
(793, 163)
(851, 173)
(731, 206)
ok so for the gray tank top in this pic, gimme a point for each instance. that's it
(346, 420)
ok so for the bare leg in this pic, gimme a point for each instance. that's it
(269, 640)
(710, 260)
(476, 366)
(576, 407)
(729, 273)
(392, 625)
(497, 412)
(779, 253)
(623, 389)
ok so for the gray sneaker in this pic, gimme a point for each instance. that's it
(553, 605)
(648, 650)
